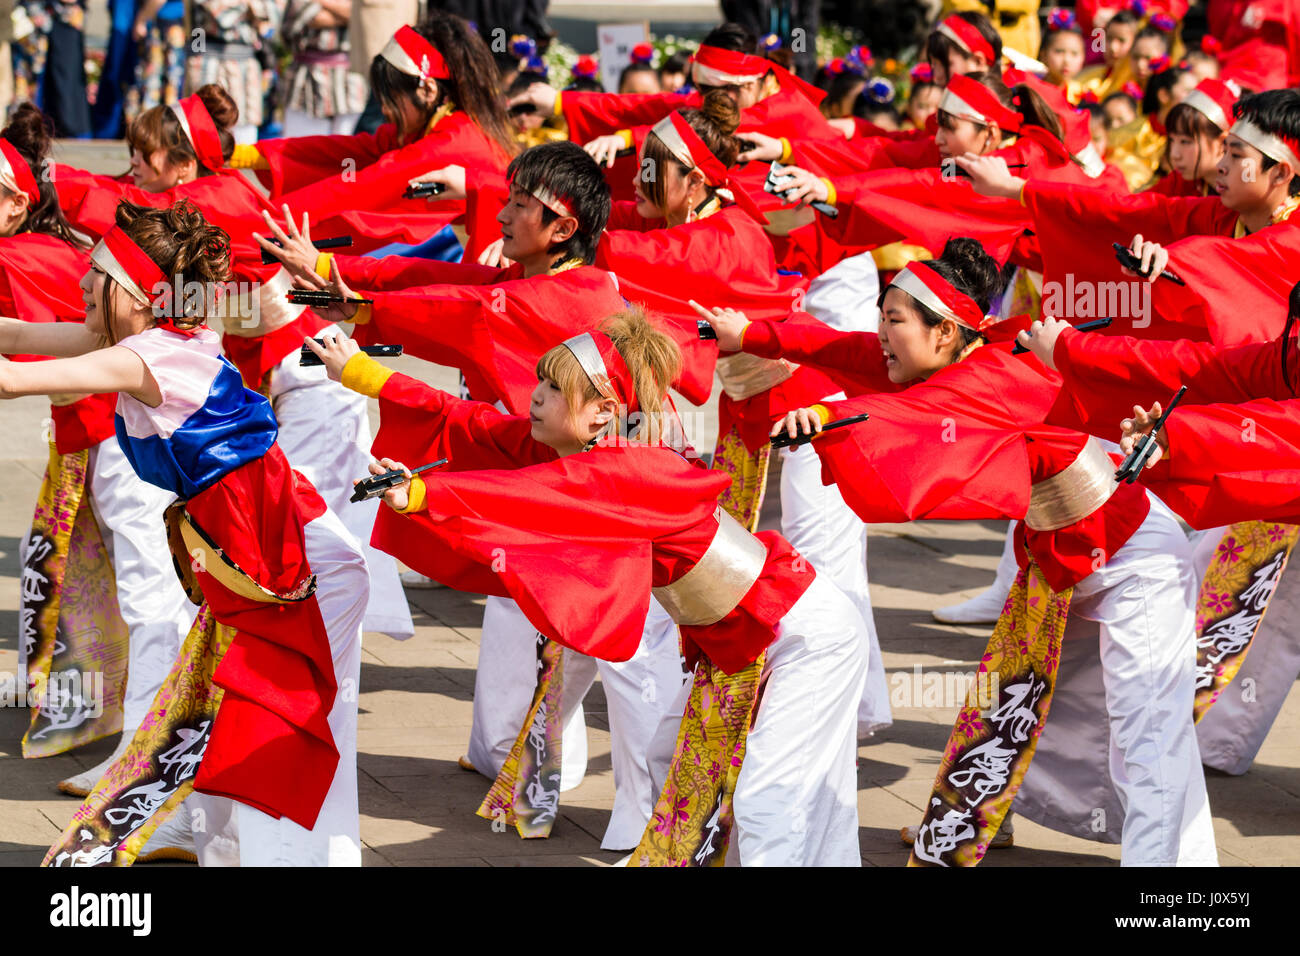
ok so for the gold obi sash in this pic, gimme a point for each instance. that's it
(721, 578)
(743, 375)
(273, 310)
(193, 550)
(1074, 493)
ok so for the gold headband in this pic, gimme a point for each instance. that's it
(587, 353)
(103, 257)
(669, 136)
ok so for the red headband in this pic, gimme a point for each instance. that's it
(201, 131)
(16, 174)
(968, 37)
(685, 144)
(939, 295)
(971, 100)
(413, 55)
(605, 367)
(714, 66)
(131, 268)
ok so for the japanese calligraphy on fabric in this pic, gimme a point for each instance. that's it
(988, 752)
(1234, 596)
(157, 772)
(74, 640)
(526, 793)
(692, 820)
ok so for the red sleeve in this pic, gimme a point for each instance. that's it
(300, 161)
(486, 193)
(1105, 376)
(599, 114)
(90, 201)
(1231, 463)
(852, 360)
(419, 424)
(397, 273)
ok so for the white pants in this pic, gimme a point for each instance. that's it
(325, 434)
(796, 800)
(815, 519)
(640, 693)
(157, 612)
(301, 123)
(228, 833)
(1142, 600)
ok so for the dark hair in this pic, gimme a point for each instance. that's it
(1165, 81)
(1049, 34)
(715, 121)
(969, 269)
(584, 84)
(634, 68)
(734, 37)
(1025, 100)
(1150, 32)
(1124, 18)
(522, 81)
(473, 87)
(158, 128)
(839, 85)
(181, 243)
(938, 47)
(565, 169)
(1292, 317)
(1093, 110)
(679, 62)
(1188, 121)
(31, 133)
(864, 107)
(1276, 112)
(1121, 95)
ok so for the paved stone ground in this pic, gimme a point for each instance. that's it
(417, 807)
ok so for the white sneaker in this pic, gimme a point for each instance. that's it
(414, 579)
(174, 840)
(80, 785)
(983, 608)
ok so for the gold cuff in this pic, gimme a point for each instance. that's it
(1020, 196)
(628, 139)
(363, 374)
(247, 156)
(414, 496)
(831, 195)
(558, 109)
(786, 150)
(823, 413)
(323, 260)
(364, 313)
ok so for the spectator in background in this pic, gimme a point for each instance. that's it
(236, 34)
(672, 71)
(321, 93)
(1015, 20)
(639, 76)
(371, 25)
(158, 30)
(50, 65)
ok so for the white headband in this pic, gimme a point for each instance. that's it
(551, 201)
(708, 76)
(1268, 144)
(1090, 161)
(1205, 105)
(909, 282)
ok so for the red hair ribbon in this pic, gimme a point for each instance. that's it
(968, 37)
(200, 129)
(413, 55)
(685, 144)
(941, 297)
(714, 66)
(15, 174)
(1211, 45)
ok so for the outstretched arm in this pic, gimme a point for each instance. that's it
(46, 338)
(114, 369)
